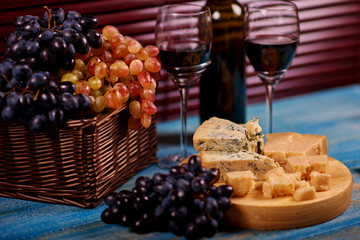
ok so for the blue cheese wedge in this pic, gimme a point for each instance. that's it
(237, 161)
(218, 134)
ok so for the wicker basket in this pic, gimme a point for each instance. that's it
(77, 164)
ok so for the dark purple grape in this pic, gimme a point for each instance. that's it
(179, 213)
(201, 222)
(59, 45)
(69, 102)
(211, 176)
(68, 63)
(198, 185)
(84, 102)
(139, 190)
(48, 57)
(194, 163)
(177, 171)
(82, 45)
(37, 81)
(166, 202)
(56, 116)
(158, 177)
(53, 87)
(177, 196)
(15, 101)
(108, 216)
(163, 188)
(8, 114)
(88, 22)
(30, 28)
(212, 227)
(17, 49)
(2, 99)
(126, 219)
(192, 232)
(211, 205)
(38, 123)
(43, 23)
(141, 203)
(72, 24)
(32, 47)
(46, 99)
(67, 87)
(18, 22)
(14, 82)
(72, 15)
(6, 69)
(11, 38)
(188, 176)
(141, 181)
(183, 184)
(94, 38)
(224, 191)
(143, 224)
(224, 203)
(110, 199)
(45, 35)
(198, 205)
(21, 71)
(70, 35)
(57, 15)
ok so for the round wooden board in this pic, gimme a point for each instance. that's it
(254, 211)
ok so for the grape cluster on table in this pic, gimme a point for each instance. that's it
(184, 201)
(37, 49)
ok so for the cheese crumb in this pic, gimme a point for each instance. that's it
(242, 182)
(320, 181)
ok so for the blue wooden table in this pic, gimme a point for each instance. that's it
(334, 113)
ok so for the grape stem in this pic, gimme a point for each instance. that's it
(24, 90)
(36, 95)
(49, 13)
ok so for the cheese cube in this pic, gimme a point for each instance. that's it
(298, 164)
(242, 182)
(279, 171)
(294, 177)
(304, 193)
(276, 186)
(302, 184)
(218, 134)
(319, 163)
(320, 181)
(280, 146)
(237, 161)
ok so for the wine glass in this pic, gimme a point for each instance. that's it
(183, 35)
(271, 37)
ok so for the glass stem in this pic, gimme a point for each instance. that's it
(270, 87)
(184, 95)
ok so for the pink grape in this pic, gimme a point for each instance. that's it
(152, 64)
(113, 98)
(119, 68)
(124, 91)
(135, 109)
(147, 94)
(91, 65)
(110, 31)
(145, 120)
(83, 87)
(101, 70)
(136, 67)
(152, 50)
(134, 89)
(148, 107)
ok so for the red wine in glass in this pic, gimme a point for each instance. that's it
(183, 53)
(271, 53)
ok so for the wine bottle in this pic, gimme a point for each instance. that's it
(223, 84)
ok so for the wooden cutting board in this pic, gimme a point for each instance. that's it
(254, 211)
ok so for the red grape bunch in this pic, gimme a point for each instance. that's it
(120, 71)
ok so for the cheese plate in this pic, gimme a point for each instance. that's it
(254, 211)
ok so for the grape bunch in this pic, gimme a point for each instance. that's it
(38, 49)
(183, 201)
(120, 71)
